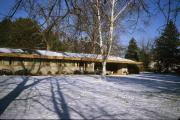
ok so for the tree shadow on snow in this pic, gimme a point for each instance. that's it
(59, 101)
(10, 97)
(163, 83)
(56, 98)
(56, 101)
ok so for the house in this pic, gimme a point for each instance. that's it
(43, 62)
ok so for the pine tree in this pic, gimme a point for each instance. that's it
(26, 33)
(145, 54)
(5, 32)
(166, 47)
(132, 52)
(21, 33)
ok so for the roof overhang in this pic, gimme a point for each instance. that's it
(34, 56)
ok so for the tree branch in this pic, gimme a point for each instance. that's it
(122, 10)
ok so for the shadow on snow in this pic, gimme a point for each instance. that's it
(21, 87)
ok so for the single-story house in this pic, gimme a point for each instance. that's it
(43, 62)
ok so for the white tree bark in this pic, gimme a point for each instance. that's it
(105, 58)
(113, 17)
(99, 28)
(100, 38)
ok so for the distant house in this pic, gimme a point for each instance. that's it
(42, 62)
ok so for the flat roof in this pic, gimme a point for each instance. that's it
(45, 54)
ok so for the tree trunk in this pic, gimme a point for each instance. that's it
(103, 68)
(105, 58)
(100, 40)
(48, 47)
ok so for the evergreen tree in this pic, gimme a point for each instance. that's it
(5, 32)
(55, 43)
(21, 33)
(26, 33)
(145, 54)
(166, 47)
(132, 52)
(144, 57)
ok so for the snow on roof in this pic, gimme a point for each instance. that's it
(119, 59)
(9, 50)
(79, 55)
(67, 54)
(63, 54)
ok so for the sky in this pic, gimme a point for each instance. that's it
(149, 32)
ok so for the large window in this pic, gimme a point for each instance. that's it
(5, 62)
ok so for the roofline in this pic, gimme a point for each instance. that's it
(34, 56)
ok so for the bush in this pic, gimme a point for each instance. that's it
(6, 72)
(98, 72)
(89, 72)
(23, 72)
(49, 73)
(133, 69)
(77, 72)
(39, 73)
(177, 70)
(57, 73)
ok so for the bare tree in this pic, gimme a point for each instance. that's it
(168, 8)
(109, 13)
(48, 13)
(114, 14)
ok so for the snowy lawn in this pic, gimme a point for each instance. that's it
(143, 96)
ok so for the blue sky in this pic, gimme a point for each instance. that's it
(149, 32)
(5, 5)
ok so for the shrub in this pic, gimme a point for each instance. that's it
(57, 73)
(6, 72)
(49, 73)
(98, 72)
(23, 72)
(177, 70)
(133, 69)
(39, 73)
(77, 72)
(89, 72)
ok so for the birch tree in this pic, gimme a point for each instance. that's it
(105, 51)
(113, 10)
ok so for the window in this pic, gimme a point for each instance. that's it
(5, 62)
(1, 62)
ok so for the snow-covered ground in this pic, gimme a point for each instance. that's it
(143, 96)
